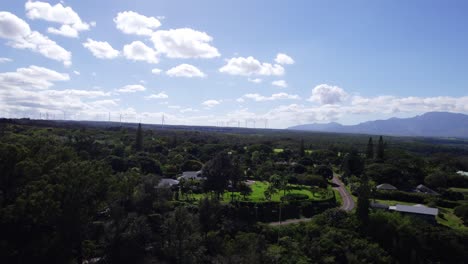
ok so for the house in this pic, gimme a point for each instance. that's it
(423, 212)
(191, 175)
(386, 187)
(167, 183)
(424, 189)
(462, 173)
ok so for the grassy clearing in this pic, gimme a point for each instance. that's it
(259, 187)
(339, 199)
(450, 219)
(278, 150)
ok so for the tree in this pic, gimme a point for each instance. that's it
(352, 164)
(436, 180)
(279, 182)
(325, 171)
(244, 189)
(370, 149)
(139, 138)
(301, 148)
(362, 209)
(380, 149)
(218, 171)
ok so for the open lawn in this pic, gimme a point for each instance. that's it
(259, 187)
(450, 219)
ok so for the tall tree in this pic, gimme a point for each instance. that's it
(139, 138)
(218, 171)
(370, 149)
(301, 148)
(362, 209)
(380, 149)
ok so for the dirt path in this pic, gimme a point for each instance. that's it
(348, 203)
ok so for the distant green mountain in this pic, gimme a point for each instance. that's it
(432, 124)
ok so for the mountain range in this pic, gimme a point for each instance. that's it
(431, 124)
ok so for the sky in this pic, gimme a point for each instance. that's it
(228, 63)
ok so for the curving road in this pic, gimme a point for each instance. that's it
(348, 202)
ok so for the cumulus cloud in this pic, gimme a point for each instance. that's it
(132, 88)
(76, 72)
(211, 103)
(26, 92)
(327, 94)
(70, 20)
(280, 83)
(161, 95)
(278, 96)
(185, 70)
(130, 22)
(184, 43)
(101, 49)
(250, 66)
(32, 77)
(156, 71)
(19, 36)
(282, 58)
(4, 60)
(138, 51)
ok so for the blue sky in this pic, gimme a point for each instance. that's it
(214, 62)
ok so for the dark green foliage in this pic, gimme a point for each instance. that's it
(352, 164)
(218, 171)
(462, 212)
(436, 180)
(301, 148)
(370, 149)
(71, 192)
(362, 210)
(380, 153)
(139, 138)
(294, 197)
(325, 171)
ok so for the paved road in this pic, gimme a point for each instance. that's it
(348, 202)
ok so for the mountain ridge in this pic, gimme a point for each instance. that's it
(430, 124)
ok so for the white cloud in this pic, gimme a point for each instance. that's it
(130, 22)
(282, 58)
(31, 77)
(185, 70)
(138, 51)
(280, 83)
(161, 95)
(250, 66)
(131, 88)
(156, 71)
(327, 94)
(256, 80)
(76, 72)
(20, 36)
(101, 49)
(70, 20)
(184, 43)
(278, 96)
(4, 60)
(188, 110)
(211, 103)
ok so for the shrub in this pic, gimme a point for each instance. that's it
(294, 197)
(462, 212)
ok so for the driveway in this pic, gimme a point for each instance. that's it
(348, 202)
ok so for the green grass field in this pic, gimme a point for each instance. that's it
(259, 187)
